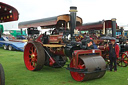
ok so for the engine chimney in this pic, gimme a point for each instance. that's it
(72, 11)
(113, 27)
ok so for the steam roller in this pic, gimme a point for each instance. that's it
(52, 50)
(87, 66)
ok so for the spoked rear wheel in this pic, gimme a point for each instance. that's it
(75, 75)
(34, 56)
(2, 77)
(123, 62)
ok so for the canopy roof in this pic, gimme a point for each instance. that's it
(8, 13)
(46, 22)
(95, 25)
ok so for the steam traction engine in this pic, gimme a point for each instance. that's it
(52, 50)
(106, 29)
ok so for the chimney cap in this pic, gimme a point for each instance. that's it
(73, 9)
(113, 19)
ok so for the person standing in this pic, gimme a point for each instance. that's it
(113, 54)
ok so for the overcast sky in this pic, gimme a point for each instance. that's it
(88, 10)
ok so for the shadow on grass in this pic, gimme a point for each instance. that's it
(47, 69)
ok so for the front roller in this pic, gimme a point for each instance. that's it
(34, 56)
(87, 67)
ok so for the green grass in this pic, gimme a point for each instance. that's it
(17, 74)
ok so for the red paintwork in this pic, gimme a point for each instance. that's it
(78, 52)
(87, 27)
(75, 75)
(51, 61)
(5, 15)
(125, 57)
(39, 39)
(108, 24)
(55, 39)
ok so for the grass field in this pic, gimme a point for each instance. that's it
(17, 74)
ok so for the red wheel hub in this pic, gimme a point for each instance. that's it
(75, 75)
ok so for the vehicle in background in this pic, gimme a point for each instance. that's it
(18, 34)
(107, 29)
